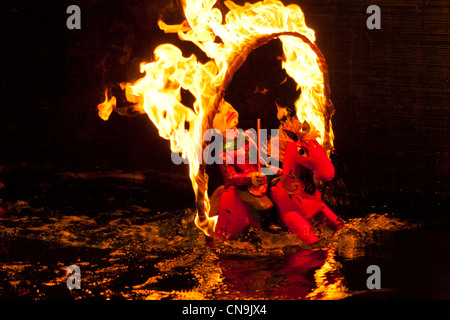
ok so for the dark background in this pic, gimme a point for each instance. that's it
(389, 88)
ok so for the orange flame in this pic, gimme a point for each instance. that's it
(158, 93)
(105, 108)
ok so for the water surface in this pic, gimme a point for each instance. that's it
(114, 227)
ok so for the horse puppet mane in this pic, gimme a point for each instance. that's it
(288, 126)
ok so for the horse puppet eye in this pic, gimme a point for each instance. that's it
(302, 151)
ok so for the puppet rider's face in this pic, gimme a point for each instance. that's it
(226, 118)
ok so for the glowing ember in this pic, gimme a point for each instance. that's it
(243, 29)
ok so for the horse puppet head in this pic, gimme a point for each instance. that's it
(302, 149)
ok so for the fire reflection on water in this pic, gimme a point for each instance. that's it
(127, 255)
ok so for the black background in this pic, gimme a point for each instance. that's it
(389, 88)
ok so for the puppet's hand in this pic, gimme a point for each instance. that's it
(258, 179)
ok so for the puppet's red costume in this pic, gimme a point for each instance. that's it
(238, 207)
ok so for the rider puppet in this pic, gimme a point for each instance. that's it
(242, 200)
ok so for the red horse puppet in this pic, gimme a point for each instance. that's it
(296, 195)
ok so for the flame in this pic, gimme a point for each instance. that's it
(226, 41)
(105, 108)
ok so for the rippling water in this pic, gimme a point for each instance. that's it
(134, 252)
